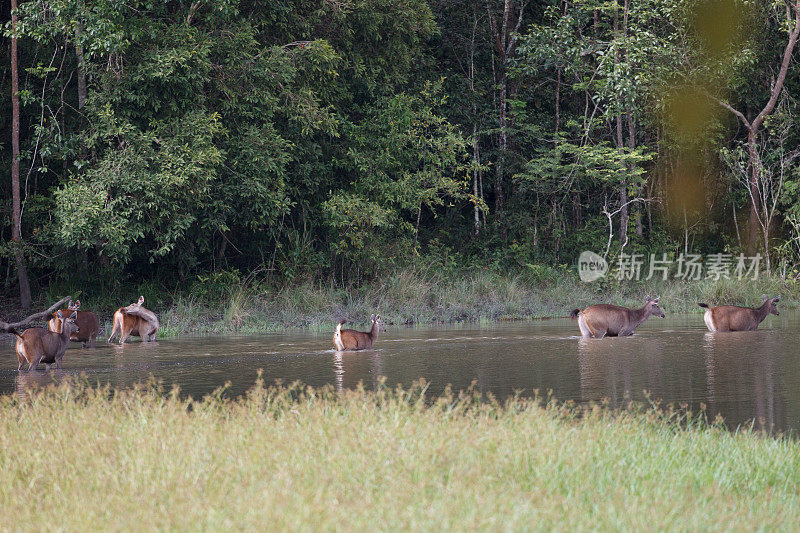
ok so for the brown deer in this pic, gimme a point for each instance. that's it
(87, 321)
(734, 318)
(613, 321)
(37, 345)
(350, 339)
(135, 320)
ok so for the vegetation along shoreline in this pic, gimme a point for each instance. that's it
(409, 297)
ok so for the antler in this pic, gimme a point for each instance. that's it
(6, 327)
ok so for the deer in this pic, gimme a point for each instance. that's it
(350, 339)
(134, 320)
(87, 321)
(37, 345)
(735, 318)
(603, 320)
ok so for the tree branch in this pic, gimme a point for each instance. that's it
(735, 112)
(787, 56)
(192, 11)
(6, 327)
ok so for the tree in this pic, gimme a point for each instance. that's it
(753, 127)
(505, 34)
(16, 222)
(775, 159)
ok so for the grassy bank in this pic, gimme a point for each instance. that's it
(408, 297)
(75, 458)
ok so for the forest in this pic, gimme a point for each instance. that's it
(201, 141)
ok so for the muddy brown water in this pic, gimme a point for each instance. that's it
(748, 378)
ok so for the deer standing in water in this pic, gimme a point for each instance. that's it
(613, 321)
(87, 321)
(37, 345)
(350, 339)
(735, 318)
(135, 320)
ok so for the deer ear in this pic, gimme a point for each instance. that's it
(141, 300)
(372, 318)
(74, 315)
(655, 300)
(764, 298)
(60, 314)
(70, 304)
(77, 304)
(777, 298)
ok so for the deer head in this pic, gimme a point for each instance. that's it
(652, 307)
(376, 321)
(68, 325)
(771, 302)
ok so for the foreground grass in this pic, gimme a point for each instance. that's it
(297, 459)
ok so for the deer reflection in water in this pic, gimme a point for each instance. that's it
(742, 379)
(350, 367)
(29, 383)
(615, 370)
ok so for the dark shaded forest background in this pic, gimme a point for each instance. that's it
(204, 141)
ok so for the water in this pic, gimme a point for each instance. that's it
(751, 377)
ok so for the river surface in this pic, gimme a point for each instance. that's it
(747, 378)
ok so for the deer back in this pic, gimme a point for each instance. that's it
(355, 340)
(39, 342)
(734, 318)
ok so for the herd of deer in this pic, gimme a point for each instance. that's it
(39, 345)
(604, 320)
(612, 321)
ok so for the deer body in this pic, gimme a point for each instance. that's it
(37, 345)
(87, 321)
(350, 339)
(735, 318)
(134, 320)
(613, 321)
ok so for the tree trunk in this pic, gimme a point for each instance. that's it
(475, 145)
(16, 229)
(623, 189)
(477, 158)
(637, 208)
(505, 44)
(80, 71)
(754, 226)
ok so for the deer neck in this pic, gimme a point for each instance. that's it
(373, 332)
(762, 312)
(639, 315)
(64, 336)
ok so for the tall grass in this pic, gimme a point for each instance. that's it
(76, 458)
(410, 297)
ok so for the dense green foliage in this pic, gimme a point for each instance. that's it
(339, 140)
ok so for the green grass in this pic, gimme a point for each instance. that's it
(74, 458)
(408, 297)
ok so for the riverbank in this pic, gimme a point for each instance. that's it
(410, 298)
(303, 459)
